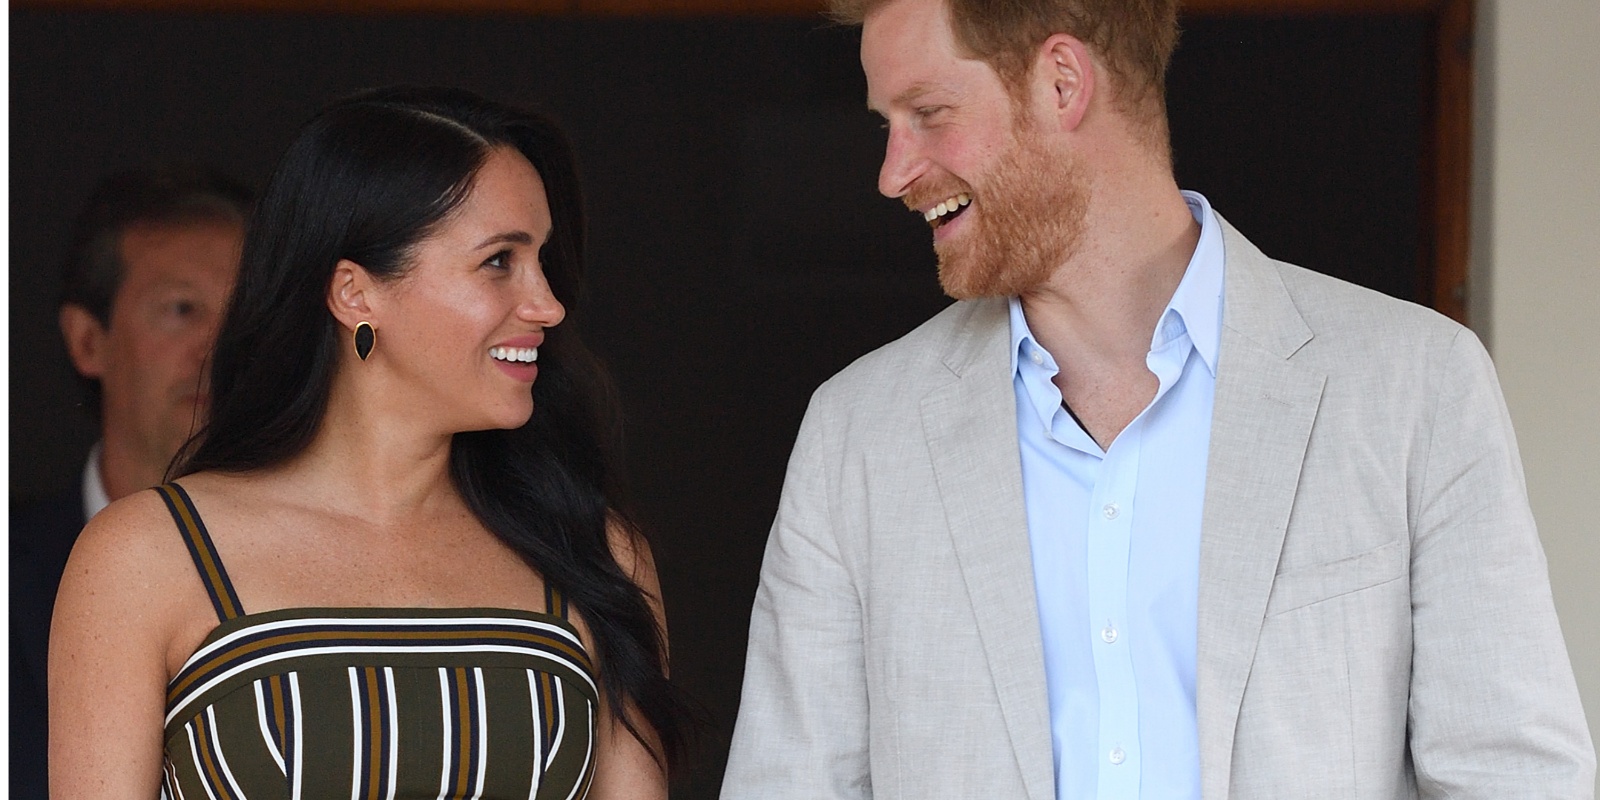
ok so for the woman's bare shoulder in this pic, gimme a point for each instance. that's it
(136, 531)
(127, 569)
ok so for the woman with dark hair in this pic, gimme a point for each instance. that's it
(392, 565)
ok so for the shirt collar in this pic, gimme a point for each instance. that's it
(1195, 307)
(94, 489)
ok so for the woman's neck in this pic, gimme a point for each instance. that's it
(369, 459)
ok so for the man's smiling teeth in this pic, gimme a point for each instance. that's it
(946, 207)
(525, 355)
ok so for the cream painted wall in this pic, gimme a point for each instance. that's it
(1536, 281)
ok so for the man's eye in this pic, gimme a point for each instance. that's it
(182, 308)
(926, 112)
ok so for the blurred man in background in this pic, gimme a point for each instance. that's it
(150, 265)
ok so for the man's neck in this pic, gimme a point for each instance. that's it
(1098, 312)
(124, 469)
(1104, 303)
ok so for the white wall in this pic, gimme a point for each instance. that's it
(1536, 281)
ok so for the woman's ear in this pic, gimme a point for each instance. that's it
(348, 294)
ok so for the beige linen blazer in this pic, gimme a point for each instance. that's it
(1374, 620)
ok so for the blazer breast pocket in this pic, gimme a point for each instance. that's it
(1298, 588)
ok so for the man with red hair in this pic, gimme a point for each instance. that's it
(1146, 514)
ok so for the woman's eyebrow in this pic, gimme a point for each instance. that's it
(513, 237)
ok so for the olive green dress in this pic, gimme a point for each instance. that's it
(376, 703)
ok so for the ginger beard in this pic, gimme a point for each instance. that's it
(1030, 219)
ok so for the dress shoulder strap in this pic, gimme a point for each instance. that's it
(554, 601)
(204, 553)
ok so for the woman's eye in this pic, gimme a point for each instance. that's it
(500, 260)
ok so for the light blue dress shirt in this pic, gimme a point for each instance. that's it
(1116, 550)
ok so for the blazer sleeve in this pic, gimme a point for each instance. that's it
(1494, 709)
(802, 728)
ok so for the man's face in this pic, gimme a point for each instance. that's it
(962, 144)
(150, 359)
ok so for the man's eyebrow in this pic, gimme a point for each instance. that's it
(512, 237)
(906, 96)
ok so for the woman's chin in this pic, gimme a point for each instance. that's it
(501, 419)
(516, 418)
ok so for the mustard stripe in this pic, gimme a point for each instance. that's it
(554, 603)
(210, 566)
(546, 686)
(464, 721)
(374, 733)
(279, 716)
(213, 777)
(587, 778)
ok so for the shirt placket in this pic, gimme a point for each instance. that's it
(1109, 529)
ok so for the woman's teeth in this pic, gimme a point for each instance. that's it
(526, 355)
(933, 215)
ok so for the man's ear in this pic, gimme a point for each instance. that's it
(348, 292)
(86, 339)
(1072, 74)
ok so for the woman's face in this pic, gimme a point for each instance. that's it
(464, 324)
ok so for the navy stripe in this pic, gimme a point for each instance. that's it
(195, 536)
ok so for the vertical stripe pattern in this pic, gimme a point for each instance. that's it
(377, 704)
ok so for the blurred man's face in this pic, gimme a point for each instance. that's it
(150, 360)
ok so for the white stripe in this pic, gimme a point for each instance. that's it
(561, 724)
(194, 694)
(355, 727)
(588, 754)
(538, 734)
(222, 760)
(174, 790)
(199, 769)
(266, 729)
(379, 623)
(299, 743)
(444, 711)
(393, 732)
(483, 732)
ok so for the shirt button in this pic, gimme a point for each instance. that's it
(1036, 357)
(1108, 634)
(1117, 756)
(1111, 510)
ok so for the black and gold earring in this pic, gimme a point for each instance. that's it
(366, 339)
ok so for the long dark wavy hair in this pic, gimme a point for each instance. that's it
(366, 180)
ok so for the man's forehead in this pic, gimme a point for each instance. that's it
(907, 51)
(170, 252)
(191, 232)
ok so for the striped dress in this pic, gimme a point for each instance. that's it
(376, 703)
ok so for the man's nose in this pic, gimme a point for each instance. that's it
(205, 338)
(903, 162)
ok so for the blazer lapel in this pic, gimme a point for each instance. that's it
(970, 424)
(1264, 408)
